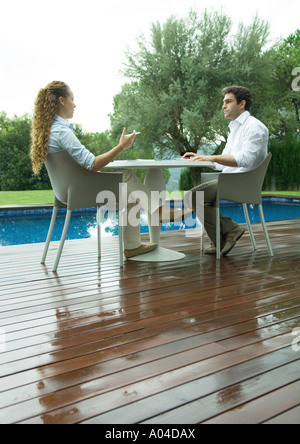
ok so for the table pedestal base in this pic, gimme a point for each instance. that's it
(159, 255)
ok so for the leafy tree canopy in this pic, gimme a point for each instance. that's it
(176, 78)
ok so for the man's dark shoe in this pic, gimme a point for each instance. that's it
(231, 239)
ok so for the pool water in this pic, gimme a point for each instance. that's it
(26, 227)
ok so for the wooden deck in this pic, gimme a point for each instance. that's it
(196, 341)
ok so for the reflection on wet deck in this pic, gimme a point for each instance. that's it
(196, 341)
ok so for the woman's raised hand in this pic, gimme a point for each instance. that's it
(127, 141)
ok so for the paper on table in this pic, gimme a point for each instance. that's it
(128, 135)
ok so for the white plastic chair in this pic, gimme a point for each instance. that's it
(76, 187)
(245, 188)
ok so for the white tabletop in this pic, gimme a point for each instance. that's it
(144, 163)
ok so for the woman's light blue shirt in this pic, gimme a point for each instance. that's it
(62, 138)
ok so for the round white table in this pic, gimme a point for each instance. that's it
(156, 182)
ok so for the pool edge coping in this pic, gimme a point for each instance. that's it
(48, 207)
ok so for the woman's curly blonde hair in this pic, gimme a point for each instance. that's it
(46, 108)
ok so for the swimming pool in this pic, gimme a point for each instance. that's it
(31, 226)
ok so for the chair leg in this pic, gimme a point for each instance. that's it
(218, 234)
(62, 241)
(249, 227)
(202, 239)
(99, 231)
(50, 232)
(262, 218)
(121, 238)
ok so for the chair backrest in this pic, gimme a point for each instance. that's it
(74, 185)
(244, 187)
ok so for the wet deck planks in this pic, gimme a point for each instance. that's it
(185, 342)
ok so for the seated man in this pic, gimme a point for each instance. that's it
(246, 148)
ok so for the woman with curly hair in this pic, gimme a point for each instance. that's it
(51, 133)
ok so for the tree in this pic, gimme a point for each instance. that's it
(15, 164)
(286, 59)
(176, 78)
(97, 143)
(170, 98)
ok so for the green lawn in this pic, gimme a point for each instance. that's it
(46, 197)
(26, 197)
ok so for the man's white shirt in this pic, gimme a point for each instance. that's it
(247, 143)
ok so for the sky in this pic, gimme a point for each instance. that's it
(83, 43)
